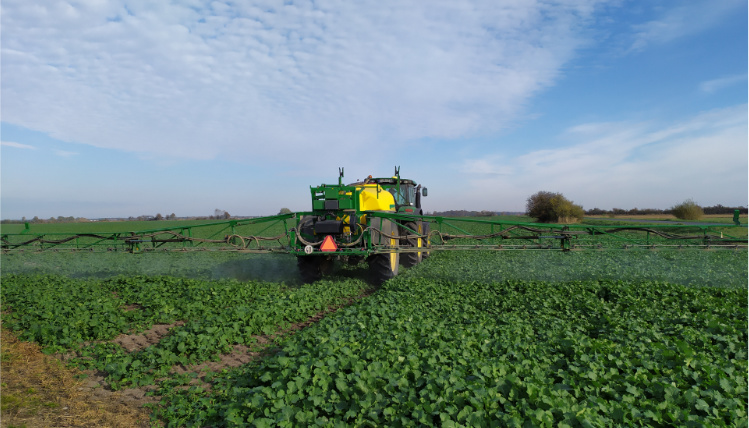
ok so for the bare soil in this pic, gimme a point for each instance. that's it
(140, 341)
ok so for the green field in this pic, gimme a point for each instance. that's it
(100, 226)
(656, 338)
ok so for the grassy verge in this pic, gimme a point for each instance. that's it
(39, 391)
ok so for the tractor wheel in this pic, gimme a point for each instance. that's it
(310, 268)
(384, 266)
(411, 259)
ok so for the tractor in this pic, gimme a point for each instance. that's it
(349, 223)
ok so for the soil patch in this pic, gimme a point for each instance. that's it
(140, 341)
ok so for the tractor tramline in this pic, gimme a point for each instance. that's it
(380, 221)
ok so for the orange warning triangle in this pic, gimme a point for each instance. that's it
(328, 244)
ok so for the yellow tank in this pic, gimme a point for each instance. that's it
(375, 198)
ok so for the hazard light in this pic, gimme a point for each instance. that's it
(328, 244)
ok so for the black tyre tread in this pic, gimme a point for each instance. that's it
(379, 268)
(379, 264)
(410, 259)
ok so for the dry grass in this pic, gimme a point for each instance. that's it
(37, 390)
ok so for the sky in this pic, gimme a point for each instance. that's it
(129, 108)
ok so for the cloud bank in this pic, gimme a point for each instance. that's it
(626, 164)
(278, 79)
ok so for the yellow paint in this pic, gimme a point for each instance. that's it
(374, 198)
(393, 255)
(346, 223)
(418, 240)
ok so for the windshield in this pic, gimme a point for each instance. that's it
(407, 195)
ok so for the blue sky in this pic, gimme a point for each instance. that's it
(125, 108)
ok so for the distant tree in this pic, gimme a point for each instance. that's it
(35, 219)
(158, 217)
(687, 210)
(720, 209)
(284, 211)
(596, 211)
(547, 207)
(171, 216)
(227, 216)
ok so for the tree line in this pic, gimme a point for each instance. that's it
(543, 206)
(547, 207)
(462, 213)
(716, 209)
(217, 215)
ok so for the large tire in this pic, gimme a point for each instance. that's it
(384, 266)
(411, 259)
(381, 267)
(310, 268)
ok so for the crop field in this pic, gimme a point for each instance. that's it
(484, 338)
(707, 218)
(100, 226)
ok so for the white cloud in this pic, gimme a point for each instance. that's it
(712, 86)
(292, 81)
(17, 145)
(629, 165)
